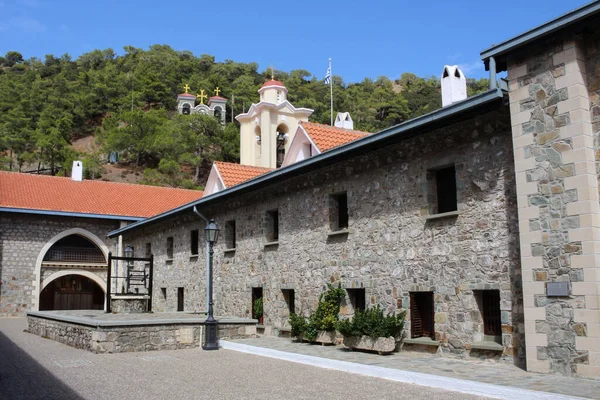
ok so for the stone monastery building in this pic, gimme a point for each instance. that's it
(482, 218)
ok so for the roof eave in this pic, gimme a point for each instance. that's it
(363, 144)
(69, 214)
(538, 32)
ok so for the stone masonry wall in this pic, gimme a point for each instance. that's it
(391, 249)
(557, 188)
(21, 240)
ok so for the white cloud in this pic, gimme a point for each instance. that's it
(471, 67)
(453, 57)
(23, 24)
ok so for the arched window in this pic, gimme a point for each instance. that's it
(282, 137)
(186, 109)
(74, 249)
(218, 113)
(258, 138)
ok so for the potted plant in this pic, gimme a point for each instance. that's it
(372, 330)
(258, 310)
(320, 326)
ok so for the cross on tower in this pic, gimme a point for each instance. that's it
(201, 96)
(217, 91)
(186, 88)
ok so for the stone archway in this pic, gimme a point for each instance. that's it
(73, 290)
(37, 283)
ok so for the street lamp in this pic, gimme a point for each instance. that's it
(211, 342)
(129, 264)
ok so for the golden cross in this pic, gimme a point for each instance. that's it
(217, 91)
(186, 87)
(272, 74)
(201, 96)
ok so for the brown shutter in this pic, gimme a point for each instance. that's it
(416, 322)
(490, 300)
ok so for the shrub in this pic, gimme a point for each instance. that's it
(372, 322)
(324, 318)
(258, 307)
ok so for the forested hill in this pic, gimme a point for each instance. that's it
(127, 102)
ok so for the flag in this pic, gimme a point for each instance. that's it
(328, 74)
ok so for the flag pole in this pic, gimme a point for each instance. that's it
(331, 90)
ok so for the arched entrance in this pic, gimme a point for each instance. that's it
(72, 292)
(79, 254)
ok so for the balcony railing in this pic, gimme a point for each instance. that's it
(74, 255)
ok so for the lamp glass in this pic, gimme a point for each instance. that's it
(212, 232)
(129, 252)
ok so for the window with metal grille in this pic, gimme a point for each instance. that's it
(272, 225)
(421, 315)
(489, 303)
(338, 211)
(230, 234)
(170, 247)
(194, 242)
(357, 298)
(445, 180)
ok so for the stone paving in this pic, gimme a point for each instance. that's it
(474, 370)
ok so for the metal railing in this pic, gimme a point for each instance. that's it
(135, 278)
(74, 254)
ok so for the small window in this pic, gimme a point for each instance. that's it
(163, 290)
(290, 299)
(170, 247)
(257, 293)
(230, 234)
(357, 298)
(445, 190)
(180, 299)
(421, 315)
(307, 150)
(194, 242)
(489, 305)
(148, 249)
(272, 225)
(338, 211)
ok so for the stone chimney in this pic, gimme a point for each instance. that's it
(77, 171)
(343, 120)
(454, 85)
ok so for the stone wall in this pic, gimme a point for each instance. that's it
(559, 216)
(391, 249)
(22, 238)
(120, 339)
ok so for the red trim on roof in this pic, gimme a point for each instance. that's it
(217, 98)
(272, 82)
(186, 95)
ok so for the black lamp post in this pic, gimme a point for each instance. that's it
(128, 252)
(211, 342)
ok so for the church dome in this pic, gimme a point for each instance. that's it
(272, 82)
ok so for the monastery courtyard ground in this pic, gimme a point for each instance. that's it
(35, 368)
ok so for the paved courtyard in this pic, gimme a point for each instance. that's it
(472, 370)
(35, 368)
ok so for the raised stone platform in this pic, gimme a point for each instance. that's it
(99, 332)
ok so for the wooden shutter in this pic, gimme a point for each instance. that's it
(490, 300)
(416, 322)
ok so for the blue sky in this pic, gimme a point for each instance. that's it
(364, 38)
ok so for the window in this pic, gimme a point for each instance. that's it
(230, 234)
(421, 315)
(307, 150)
(338, 211)
(357, 298)
(186, 109)
(170, 247)
(290, 299)
(148, 249)
(163, 290)
(257, 293)
(489, 305)
(445, 181)
(272, 225)
(194, 242)
(180, 299)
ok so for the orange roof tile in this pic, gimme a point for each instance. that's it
(273, 82)
(52, 193)
(186, 95)
(327, 137)
(234, 174)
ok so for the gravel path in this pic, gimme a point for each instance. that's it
(36, 368)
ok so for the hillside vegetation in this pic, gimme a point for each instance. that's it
(128, 103)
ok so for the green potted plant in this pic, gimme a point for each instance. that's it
(372, 330)
(258, 310)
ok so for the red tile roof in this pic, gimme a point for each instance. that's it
(217, 98)
(327, 137)
(51, 193)
(234, 174)
(186, 95)
(273, 82)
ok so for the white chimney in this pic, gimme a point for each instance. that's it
(77, 171)
(343, 120)
(454, 85)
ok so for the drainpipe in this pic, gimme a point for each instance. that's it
(195, 209)
(492, 67)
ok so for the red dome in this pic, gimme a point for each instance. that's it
(273, 82)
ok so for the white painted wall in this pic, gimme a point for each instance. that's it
(454, 85)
